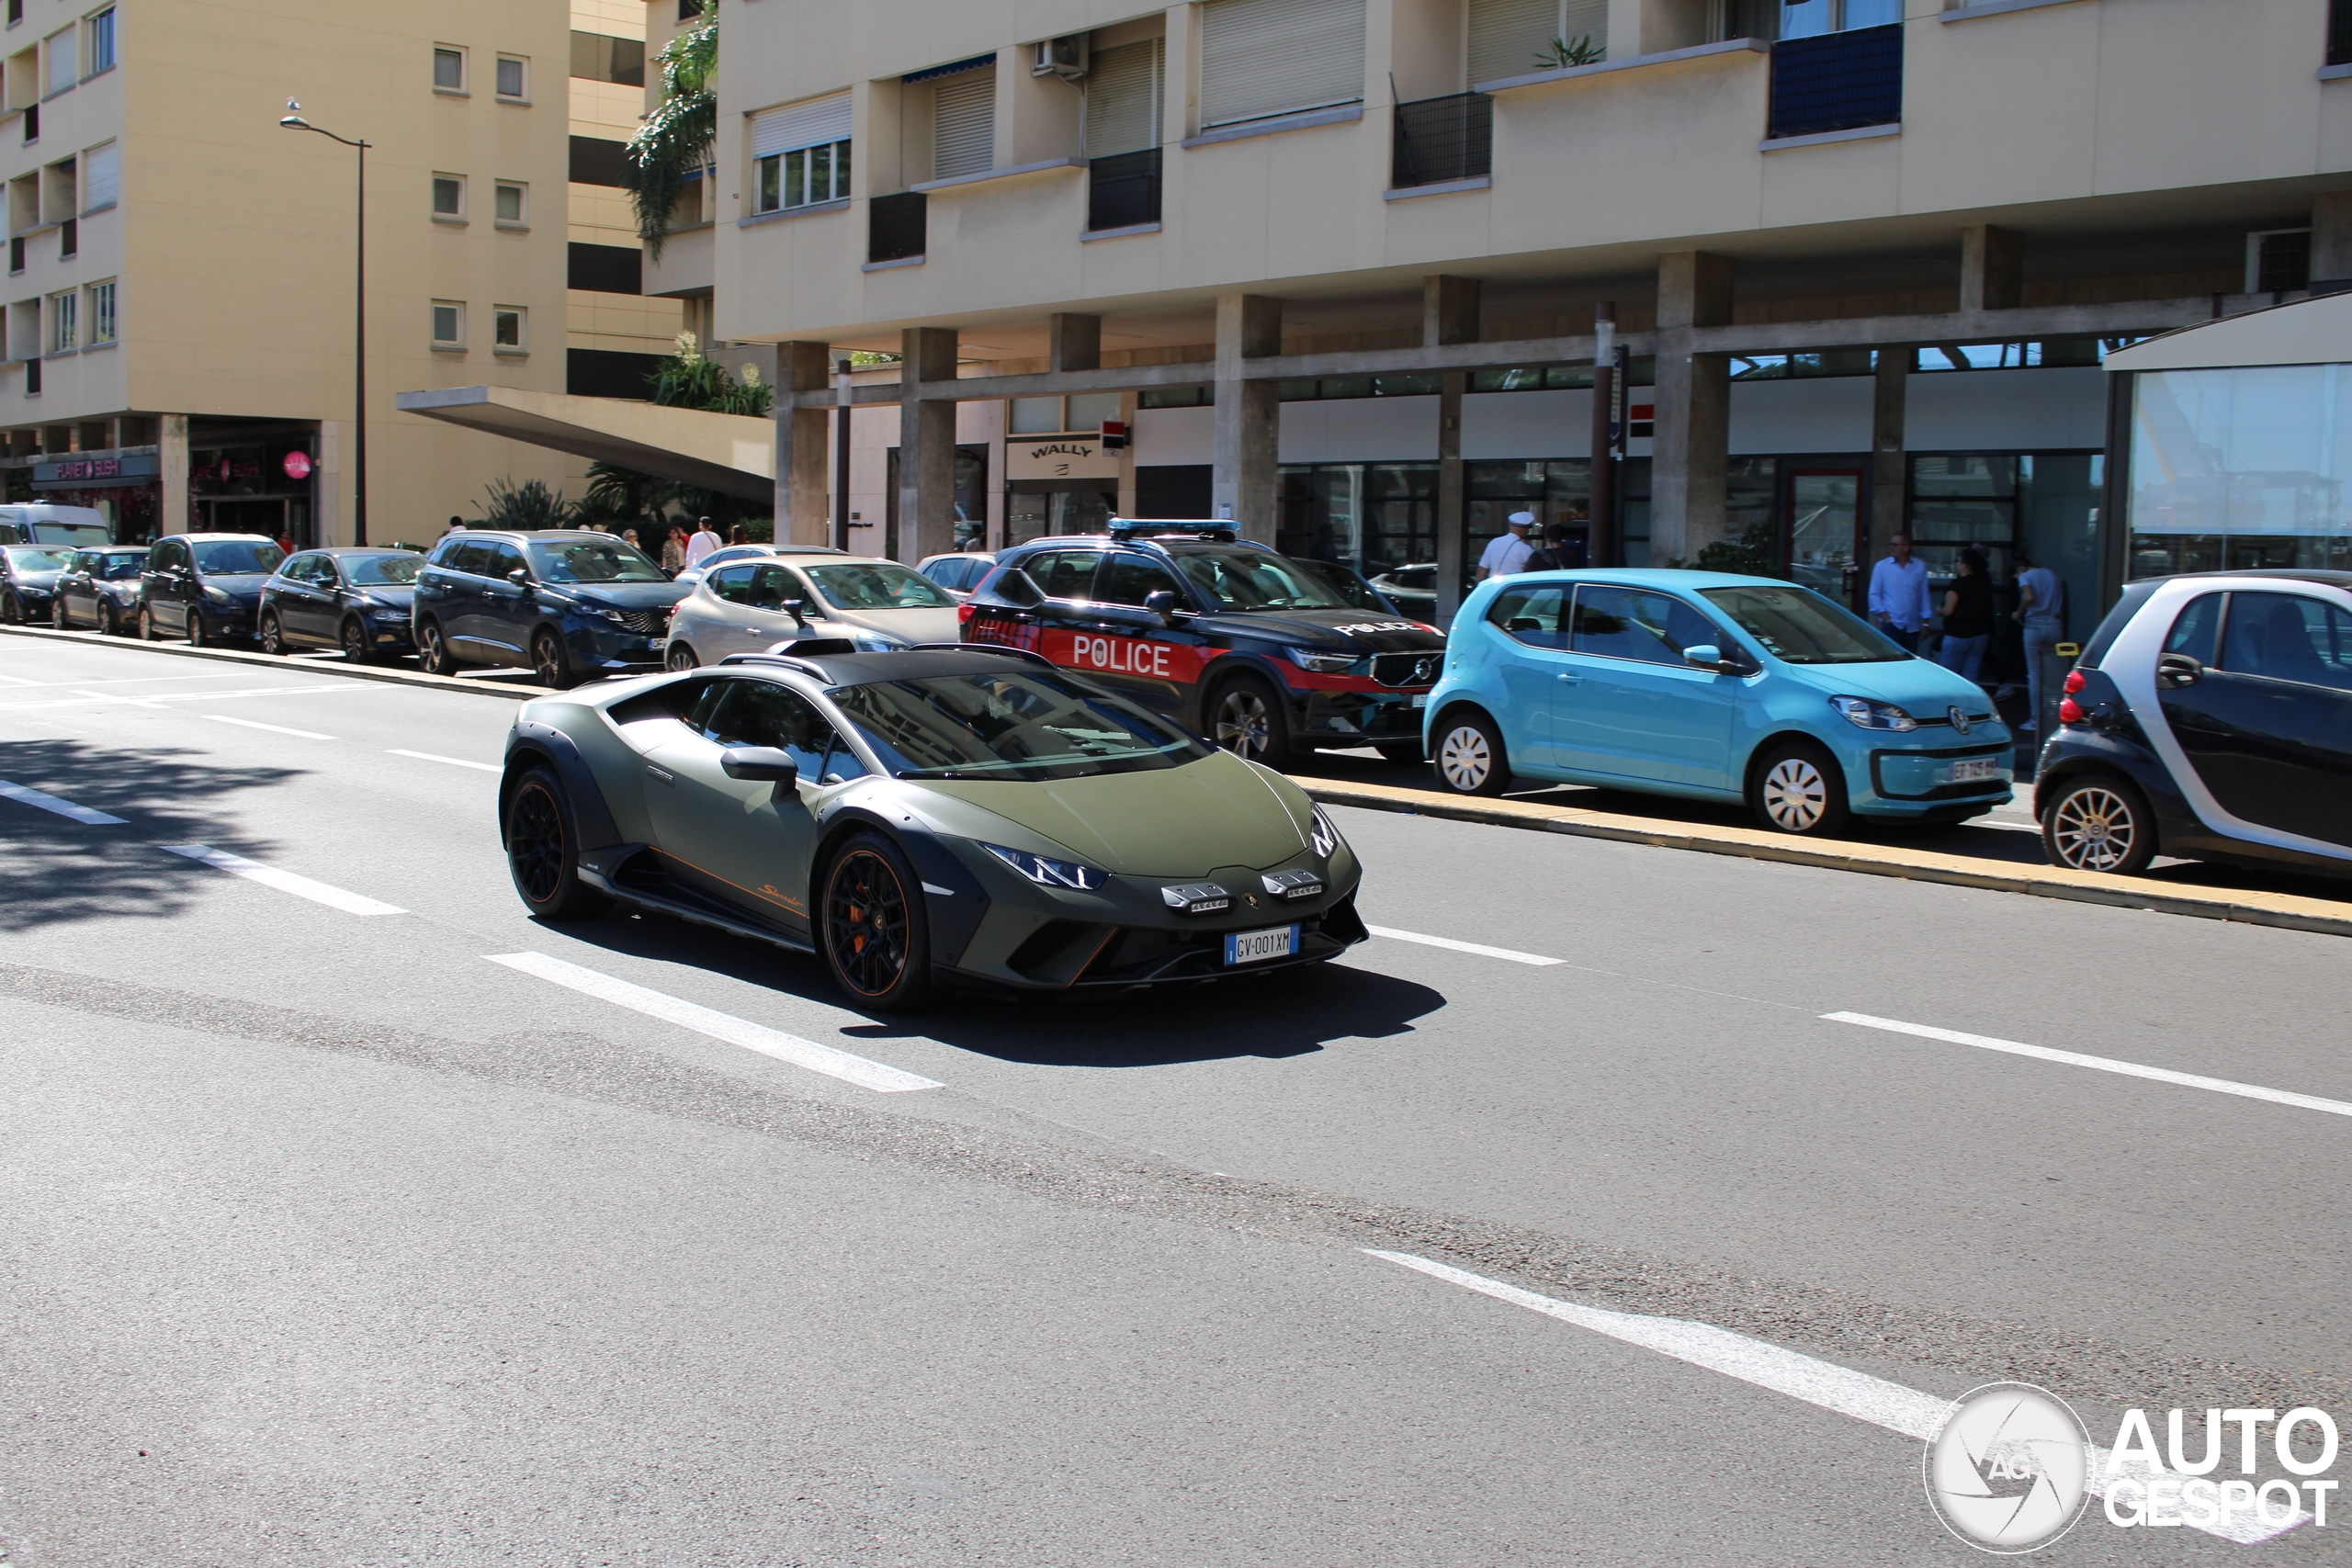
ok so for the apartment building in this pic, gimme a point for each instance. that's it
(1336, 264)
(619, 326)
(182, 291)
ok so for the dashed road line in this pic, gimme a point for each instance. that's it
(1450, 945)
(285, 881)
(28, 796)
(273, 729)
(1906, 1412)
(436, 757)
(826, 1059)
(2098, 1064)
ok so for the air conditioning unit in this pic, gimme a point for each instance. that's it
(1062, 57)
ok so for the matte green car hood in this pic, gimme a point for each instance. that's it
(1181, 821)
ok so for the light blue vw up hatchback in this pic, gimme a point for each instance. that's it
(1711, 686)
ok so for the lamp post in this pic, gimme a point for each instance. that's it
(294, 121)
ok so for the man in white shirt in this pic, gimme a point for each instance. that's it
(1899, 604)
(704, 540)
(1508, 553)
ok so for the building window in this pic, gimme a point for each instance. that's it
(98, 43)
(100, 165)
(16, 12)
(69, 239)
(599, 161)
(598, 57)
(1775, 19)
(102, 329)
(1055, 416)
(605, 269)
(449, 199)
(63, 317)
(449, 323)
(800, 154)
(964, 124)
(2277, 260)
(511, 77)
(1264, 58)
(507, 324)
(64, 61)
(448, 69)
(1513, 38)
(513, 204)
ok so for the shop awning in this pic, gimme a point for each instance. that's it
(2317, 331)
(718, 451)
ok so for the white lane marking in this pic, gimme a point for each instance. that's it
(1906, 1412)
(1448, 942)
(16, 680)
(285, 881)
(114, 697)
(452, 762)
(273, 729)
(826, 1059)
(85, 698)
(2100, 1064)
(63, 807)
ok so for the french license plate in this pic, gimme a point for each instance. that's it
(1421, 699)
(1976, 770)
(1255, 947)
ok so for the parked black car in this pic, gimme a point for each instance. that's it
(2210, 717)
(356, 600)
(28, 580)
(100, 586)
(569, 606)
(204, 586)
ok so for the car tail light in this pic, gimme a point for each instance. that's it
(2074, 681)
(963, 614)
(2070, 712)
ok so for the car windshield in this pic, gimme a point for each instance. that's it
(235, 557)
(878, 585)
(25, 558)
(1029, 726)
(1798, 626)
(117, 567)
(382, 571)
(592, 560)
(1256, 579)
(1354, 591)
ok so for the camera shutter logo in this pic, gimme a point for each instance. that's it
(2008, 1470)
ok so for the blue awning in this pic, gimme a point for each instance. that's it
(937, 71)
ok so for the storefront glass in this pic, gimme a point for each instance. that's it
(2239, 469)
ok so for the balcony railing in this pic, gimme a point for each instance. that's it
(1838, 81)
(894, 226)
(1442, 140)
(1122, 191)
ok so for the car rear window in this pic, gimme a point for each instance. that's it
(2135, 595)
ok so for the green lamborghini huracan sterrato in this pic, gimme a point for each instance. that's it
(943, 816)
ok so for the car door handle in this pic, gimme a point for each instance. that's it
(1570, 677)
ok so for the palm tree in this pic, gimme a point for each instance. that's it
(678, 136)
(530, 504)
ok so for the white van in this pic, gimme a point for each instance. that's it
(78, 527)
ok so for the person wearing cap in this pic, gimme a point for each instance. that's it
(1508, 553)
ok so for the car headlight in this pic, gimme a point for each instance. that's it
(1320, 662)
(1868, 715)
(1324, 837)
(1050, 873)
(219, 595)
(878, 642)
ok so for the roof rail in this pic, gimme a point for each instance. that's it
(995, 647)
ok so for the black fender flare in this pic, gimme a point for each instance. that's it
(955, 913)
(529, 743)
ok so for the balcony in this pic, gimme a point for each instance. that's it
(895, 227)
(688, 267)
(1837, 81)
(1122, 191)
(1443, 140)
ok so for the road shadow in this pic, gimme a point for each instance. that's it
(61, 871)
(1283, 1013)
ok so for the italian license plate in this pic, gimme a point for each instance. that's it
(1421, 699)
(1255, 947)
(1976, 770)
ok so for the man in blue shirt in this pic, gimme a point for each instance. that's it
(1899, 595)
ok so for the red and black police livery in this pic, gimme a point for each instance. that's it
(1264, 653)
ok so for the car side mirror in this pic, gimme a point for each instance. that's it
(2175, 671)
(797, 609)
(1161, 603)
(520, 576)
(1706, 655)
(767, 764)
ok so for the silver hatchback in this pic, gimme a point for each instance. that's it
(750, 606)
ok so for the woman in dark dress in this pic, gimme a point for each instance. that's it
(1968, 616)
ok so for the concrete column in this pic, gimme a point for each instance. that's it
(1888, 471)
(926, 445)
(801, 437)
(1692, 422)
(2332, 236)
(173, 458)
(1074, 343)
(326, 485)
(1449, 310)
(1248, 326)
(1452, 490)
(1992, 268)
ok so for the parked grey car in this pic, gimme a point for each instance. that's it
(749, 606)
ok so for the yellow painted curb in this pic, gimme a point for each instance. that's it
(2290, 910)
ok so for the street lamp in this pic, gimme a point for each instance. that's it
(294, 121)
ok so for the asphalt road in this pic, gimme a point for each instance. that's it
(326, 1238)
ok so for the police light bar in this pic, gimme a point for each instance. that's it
(1128, 527)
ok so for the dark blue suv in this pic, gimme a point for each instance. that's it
(569, 605)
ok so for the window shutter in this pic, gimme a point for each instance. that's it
(1506, 35)
(98, 177)
(1261, 58)
(1587, 18)
(964, 124)
(813, 122)
(1123, 102)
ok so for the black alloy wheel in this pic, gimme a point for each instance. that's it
(1246, 718)
(357, 649)
(874, 932)
(1470, 755)
(273, 634)
(433, 650)
(2099, 822)
(1797, 787)
(550, 661)
(543, 850)
(680, 657)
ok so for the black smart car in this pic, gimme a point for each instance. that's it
(568, 606)
(1263, 654)
(356, 600)
(99, 587)
(204, 586)
(2210, 717)
(28, 581)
